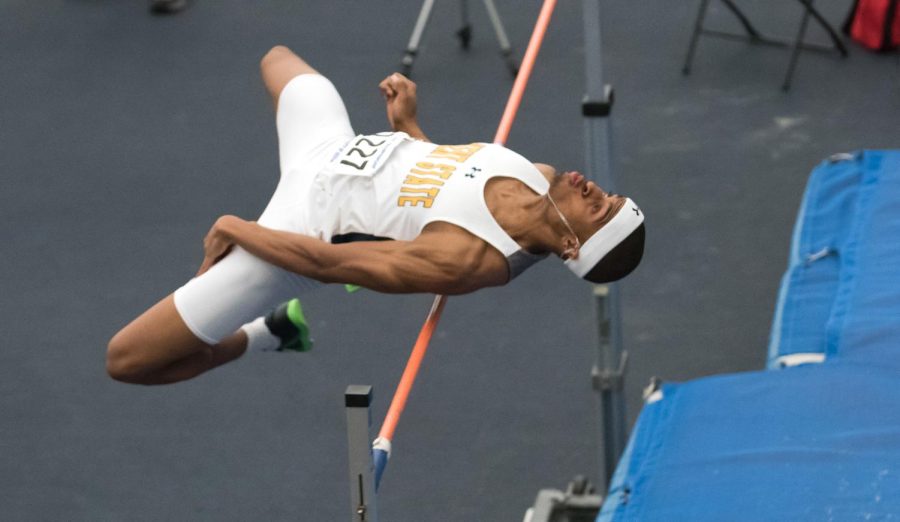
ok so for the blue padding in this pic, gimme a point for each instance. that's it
(811, 443)
(841, 292)
(864, 325)
(619, 483)
(810, 284)
(380, 460)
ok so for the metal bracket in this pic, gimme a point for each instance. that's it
(599, 108)
(363, 500)
(652, 387)
(580, 501)
(614, 380)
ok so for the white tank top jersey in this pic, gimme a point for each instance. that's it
(390, 186)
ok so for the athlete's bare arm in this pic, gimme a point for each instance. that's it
(402, 104)
(400, 97)
(444, 259)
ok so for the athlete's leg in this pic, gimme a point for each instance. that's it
(159, 348)
(278, 67)
(192, 331)
(196, 328)
(309, 111)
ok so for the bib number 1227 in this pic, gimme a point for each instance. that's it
(362, 150)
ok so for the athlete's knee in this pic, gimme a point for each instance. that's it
(275, 54)
(280, 62)
(279, 66)
(123, 361)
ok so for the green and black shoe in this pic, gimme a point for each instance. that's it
(287, 323)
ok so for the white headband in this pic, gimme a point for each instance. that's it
(626, 221)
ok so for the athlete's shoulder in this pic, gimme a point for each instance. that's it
(474, 256)
(501, 153)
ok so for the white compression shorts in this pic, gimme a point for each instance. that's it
(312, 124)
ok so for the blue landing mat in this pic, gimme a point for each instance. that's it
(816, 443)
(813, 443)
(841, 293)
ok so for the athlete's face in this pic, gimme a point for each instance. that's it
(587, 206)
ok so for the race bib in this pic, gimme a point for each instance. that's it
(364, 155)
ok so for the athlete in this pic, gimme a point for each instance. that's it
(391, 212)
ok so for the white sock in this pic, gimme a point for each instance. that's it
(259, 338)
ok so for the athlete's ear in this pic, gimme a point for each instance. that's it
(570, 249)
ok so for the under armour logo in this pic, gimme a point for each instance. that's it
(636, 211)
(471, 174)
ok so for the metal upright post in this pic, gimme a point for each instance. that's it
(465, 30)
(505, 48)
(464, 34)
(364, 502)
(608, 377)
(609, 368)
(412, 48)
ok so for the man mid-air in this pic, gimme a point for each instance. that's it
(390, 211)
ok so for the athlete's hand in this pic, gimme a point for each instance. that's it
(400, 95)
(217, 243)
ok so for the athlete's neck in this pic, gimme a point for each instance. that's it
(527, 217)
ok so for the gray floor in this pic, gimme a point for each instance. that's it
(123, 136)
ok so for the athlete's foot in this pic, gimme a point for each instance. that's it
(288, 324)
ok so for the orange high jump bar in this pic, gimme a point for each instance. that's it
(382, 445)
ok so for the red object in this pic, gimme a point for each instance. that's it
(876, 24)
